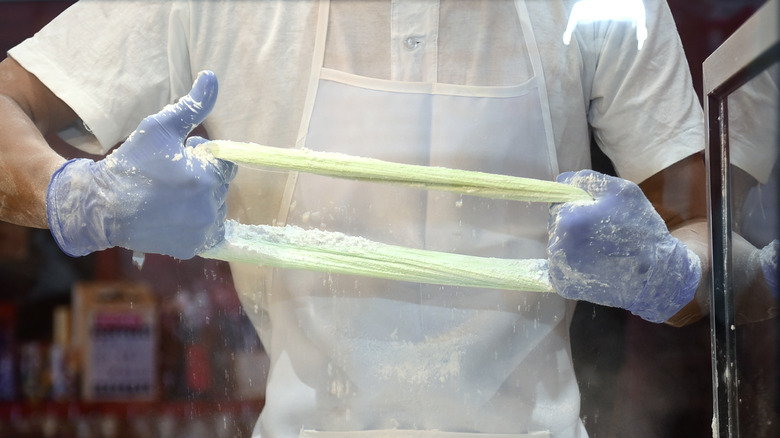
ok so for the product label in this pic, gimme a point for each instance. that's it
(122, 356)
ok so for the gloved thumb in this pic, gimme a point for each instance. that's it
(192, 109)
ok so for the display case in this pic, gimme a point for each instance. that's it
(741, 107)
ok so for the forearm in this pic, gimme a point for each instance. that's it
(26, 165)
(695, 235)
(28, 110)
(753, 299)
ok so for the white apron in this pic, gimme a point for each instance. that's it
(376, 358)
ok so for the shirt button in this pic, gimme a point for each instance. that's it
(413, 42)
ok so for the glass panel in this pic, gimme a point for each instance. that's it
(753, 136)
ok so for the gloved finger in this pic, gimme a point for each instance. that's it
(192, 109)
(555, 209)
(222, 213)
(227, 169)
(220, 192)
(572, 178)
(565, 177)
(218, 234)
(598, 184)
(195, 140)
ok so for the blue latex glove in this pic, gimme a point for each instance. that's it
(768, 258)
(153, 194)
(616, 250)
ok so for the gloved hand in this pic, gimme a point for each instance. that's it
(153, 194)
(768, 258)
(616, 250)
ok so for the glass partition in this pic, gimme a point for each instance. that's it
(741, 103)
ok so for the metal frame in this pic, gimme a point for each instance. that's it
(750, 50)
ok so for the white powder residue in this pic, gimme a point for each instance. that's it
(110, 160)
(297, 236)
(200, 154)
(590, 182)
(428, 363)
(297, 248)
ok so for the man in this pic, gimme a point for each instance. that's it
(483, 85)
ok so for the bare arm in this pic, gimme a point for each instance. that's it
(28, 111)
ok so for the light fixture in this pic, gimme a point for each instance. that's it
(590, 11)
